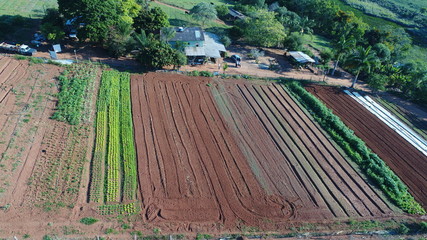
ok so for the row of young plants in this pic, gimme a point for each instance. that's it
(127, 139)
(374, 167)
(98, 162)
(114, 209)
(114, 173)
(113, 157)
(73, 95)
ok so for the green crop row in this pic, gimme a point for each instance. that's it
(73, 94)
(114, 173)
(113, 157)
(129, 154)
(356, 149)
(129, 208)
(98, 162)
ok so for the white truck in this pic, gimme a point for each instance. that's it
(21, 49)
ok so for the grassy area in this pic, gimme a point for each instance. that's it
(178, 18)
(318, 42)
(26, 8)
(372, 21)
(411, 4)
(188, 4)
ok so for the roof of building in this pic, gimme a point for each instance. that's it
(195, 51)
(236, 14)
(301, 57)
(186, 34)
(212, 45)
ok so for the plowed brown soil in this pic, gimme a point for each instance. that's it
(215, 154)
(405, 160)
(191, 169)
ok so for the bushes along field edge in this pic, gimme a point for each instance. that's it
(374, 167)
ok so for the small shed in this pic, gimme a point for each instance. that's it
(301, 57)
(236, 14)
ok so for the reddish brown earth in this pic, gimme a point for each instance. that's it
(215, 154)
(191, 169)
(405, 160)
(41, 159)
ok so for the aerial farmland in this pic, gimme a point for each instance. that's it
(131, 131)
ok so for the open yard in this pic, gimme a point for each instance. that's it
(26, 8)
(404, 159)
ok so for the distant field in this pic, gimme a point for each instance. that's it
(318, 42)
(179, 18)
(188, 4)
(26, 8)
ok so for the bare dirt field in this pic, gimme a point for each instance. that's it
(222, 154)
(41, 160)
(405, 160)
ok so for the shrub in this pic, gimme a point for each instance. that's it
(88, 220)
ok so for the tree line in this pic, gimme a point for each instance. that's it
(379, 56)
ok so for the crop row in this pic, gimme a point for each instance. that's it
(129, 208)
(98, 162)
(374, 167)
(113, 157)
(129, 155)
(114, 174)
(74, 95)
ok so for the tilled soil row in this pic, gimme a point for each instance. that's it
(191, 169)
(405, 160)
(292, 157)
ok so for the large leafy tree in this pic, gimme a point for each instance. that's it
(151, 20)
(263, 29)
(362, 59)
(157, 54)
(98, 16)
(204, 12)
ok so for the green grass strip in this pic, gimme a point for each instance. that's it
(374, 167)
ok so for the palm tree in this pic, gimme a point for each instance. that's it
(362, 59)
(168, 33)
(341, 48)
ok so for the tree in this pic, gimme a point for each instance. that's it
(294, 42)
(52, 32)
(382, 52)
(168, 34)
(341, 48)
(98, 16)
(203, 12)
(256, 3)
(151, 20)
(180, 59)
(305, 26)
(362, 59)
(222, 11)
(156, 55)
(263, 29)
(118, 41)
(225, 40)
